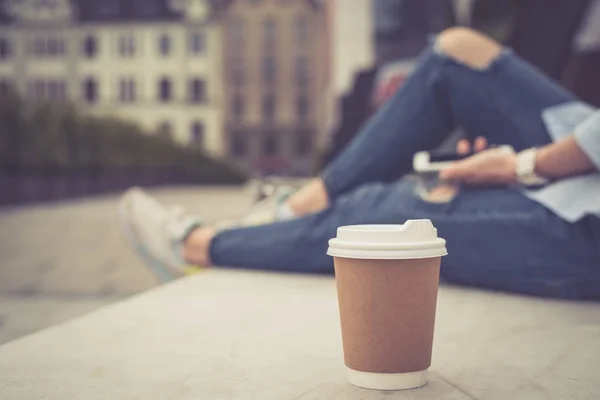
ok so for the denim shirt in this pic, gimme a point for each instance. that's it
(573, 198)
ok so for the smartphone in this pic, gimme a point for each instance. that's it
(435, 161)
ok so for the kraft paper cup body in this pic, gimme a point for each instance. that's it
(387, 278)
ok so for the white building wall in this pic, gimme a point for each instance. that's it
(147, 66)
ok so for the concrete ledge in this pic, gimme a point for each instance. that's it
(243, 335)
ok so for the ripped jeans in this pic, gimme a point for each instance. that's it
(496, 237)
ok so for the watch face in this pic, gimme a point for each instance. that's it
(525, 168)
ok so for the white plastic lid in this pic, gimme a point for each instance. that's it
(414, 239)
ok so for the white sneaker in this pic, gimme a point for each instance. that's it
(265, 211)
(155, 232)
(259, 189)
(268, 209)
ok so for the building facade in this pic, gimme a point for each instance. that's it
(277, 90)
(155, 62)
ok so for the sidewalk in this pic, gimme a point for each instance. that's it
(58, 261)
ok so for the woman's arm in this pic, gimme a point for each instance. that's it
(576, 154)
(497, 166)
(562, 159)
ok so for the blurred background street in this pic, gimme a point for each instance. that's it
(66, 259)
(63, 259)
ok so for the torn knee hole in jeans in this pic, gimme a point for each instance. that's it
(488, 65)
(440, 194)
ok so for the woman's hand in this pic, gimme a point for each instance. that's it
(495, 166)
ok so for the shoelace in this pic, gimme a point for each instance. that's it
(277, 195)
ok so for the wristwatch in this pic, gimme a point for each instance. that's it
(525, 169)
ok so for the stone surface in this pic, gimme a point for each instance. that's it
(242, 335)
(19, 316)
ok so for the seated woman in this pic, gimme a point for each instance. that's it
(501, 232)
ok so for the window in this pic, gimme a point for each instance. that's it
(164, 44)
(268, 108)
(301, 30)
(90, 90)
(165, 89)
(237, 76)
(197, 90)
(37, 90)
(238, 107)
(303, 143)
(48, 46)
(237, 71)
(302, 108)
(238, 144)
(237, 30)
(165, 130)
(127, 90)
(4, 48)
(37, 46)
(269, 34)
(51, 89)
(269, 70)
(56, 90)
(196, 43)
(127, 46)
(55, 46)
(270, 145)
(90, 46)
(197, 133)
(302, 71)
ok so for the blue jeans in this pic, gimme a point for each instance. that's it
(496, 237)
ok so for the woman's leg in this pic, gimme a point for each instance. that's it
(465, 80)
(496, 238)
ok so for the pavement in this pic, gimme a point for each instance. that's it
(61, 260)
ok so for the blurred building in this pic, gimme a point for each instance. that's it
(276, 56)
(157, 62)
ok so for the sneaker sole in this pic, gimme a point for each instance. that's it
(162, 272)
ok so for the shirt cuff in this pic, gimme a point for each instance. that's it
(587, 135)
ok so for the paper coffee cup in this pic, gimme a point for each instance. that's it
(387, 280)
